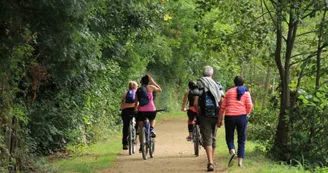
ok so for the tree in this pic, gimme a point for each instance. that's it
(289, 15)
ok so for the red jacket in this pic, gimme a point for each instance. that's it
(233, 107)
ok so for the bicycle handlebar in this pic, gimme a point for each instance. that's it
(160, 110)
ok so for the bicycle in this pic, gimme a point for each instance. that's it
(197, 138)
(132, 138)
(148, 142)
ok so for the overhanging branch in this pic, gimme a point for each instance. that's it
(312, 54)
(305, 33)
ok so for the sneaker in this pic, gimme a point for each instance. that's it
(125, 147)
(140, 150)
(231, 161)
(153, 134)
(189, 138)
(241, 166)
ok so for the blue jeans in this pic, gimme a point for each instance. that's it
(231, 123)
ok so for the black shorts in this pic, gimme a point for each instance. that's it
(128, 112)
(191, 115)
(141, 116)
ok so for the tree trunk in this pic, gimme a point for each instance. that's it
(319, 50)
(281, 139)
(84, 135)
(281, 136)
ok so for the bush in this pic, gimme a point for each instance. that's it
(261, 127)
(309, 124)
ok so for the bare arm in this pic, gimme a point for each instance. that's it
(196, 104)
(248, 103)
(185, 98)
(136, 103)
(156, 87)
(122, 102)
(221, 112)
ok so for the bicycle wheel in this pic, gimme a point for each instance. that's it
(134, 140)
(196, 140)
(152, 147)
(130, 140)
(144, 146)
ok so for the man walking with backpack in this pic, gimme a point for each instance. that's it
(207, 98)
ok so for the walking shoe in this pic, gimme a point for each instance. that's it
(140, 149)
(231, 161)
(241, 166)
(125, 147)
(210, 167)
(189, 138)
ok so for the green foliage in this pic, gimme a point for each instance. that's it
(311, 120)
(261, 128)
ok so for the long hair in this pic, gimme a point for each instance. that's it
(145, 80)
(239, 82)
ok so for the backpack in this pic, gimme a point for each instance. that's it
(142, 96)
(207, 104)
(191, 96)
(130, 96)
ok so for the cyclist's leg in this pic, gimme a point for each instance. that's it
(152, 123)
(125, 130)
(151, 116)
(140, 119)
(191, 117)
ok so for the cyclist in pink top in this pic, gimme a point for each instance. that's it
(236, 106)
(148, 110)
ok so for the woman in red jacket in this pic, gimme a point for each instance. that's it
(236, 106)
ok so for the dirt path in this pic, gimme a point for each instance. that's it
(173, 153)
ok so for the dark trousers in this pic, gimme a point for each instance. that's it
(231, 123)
(126, 117)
